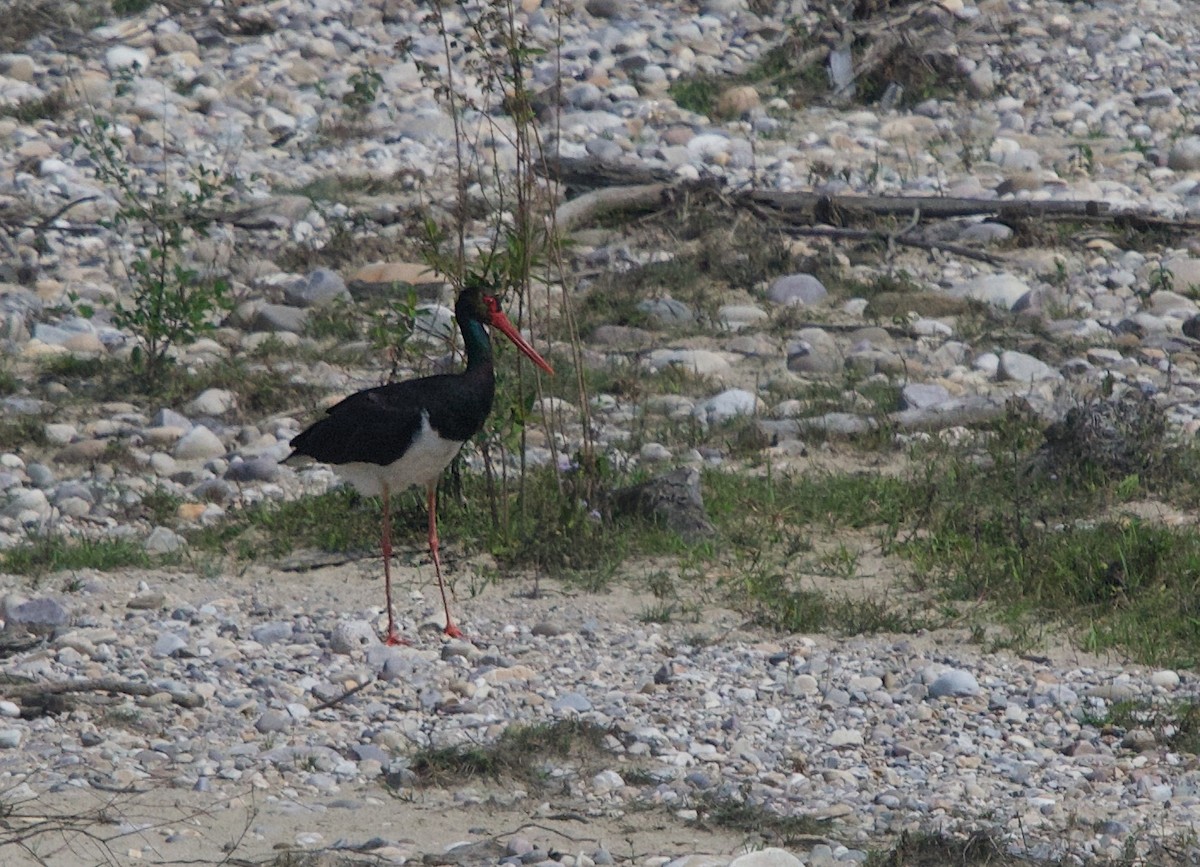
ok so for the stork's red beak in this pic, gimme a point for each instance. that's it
(500, 321)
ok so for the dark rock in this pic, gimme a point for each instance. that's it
(674, 500)
(41, 615)
(319, 288)
(605, 8)
(666, 311)
(1192, 327)
(280, 317)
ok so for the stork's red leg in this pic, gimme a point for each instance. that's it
(431, 501)
(393, 637)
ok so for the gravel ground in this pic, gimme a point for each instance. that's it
(248, 741)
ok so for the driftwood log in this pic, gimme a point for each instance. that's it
(40, 697)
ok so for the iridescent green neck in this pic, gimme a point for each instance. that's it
(479, 347)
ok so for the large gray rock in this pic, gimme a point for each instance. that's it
(814, 350)
(199, 444)
(802, 289)
(351, 635)
(727, 405)
(1019, 367)
(163, 540)
(921, 395)
(952, 683)
(170, 418)
(280, 317)
(26, 501)
(1184, 155)
(257, 469)
(674, 500)
(39, 616)
(1005, 291)
(666, 311)
(319, 288)
(213, 401)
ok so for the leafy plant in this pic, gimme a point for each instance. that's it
(172, 305)
(364, 89)
(1162, 279)
(9, 384)
(391, 326)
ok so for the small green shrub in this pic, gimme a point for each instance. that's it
(130, 7)
(364, 88)
(172, 305)
(9, 384)
(29, 110)
(519, 753)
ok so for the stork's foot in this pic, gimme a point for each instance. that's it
(453, 631)
(393, 639)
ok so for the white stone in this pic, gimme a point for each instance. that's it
(60, 434)
(769, 857)
(213, 401)
(955, 682)
(702, 361)
(738, 316)
(1019, 367)
(1000, 290)
(163, 540)
(654, 453)
(199, 444)
(846, 738)
(727, 405)
(1165, 679)
(163, 464)
(27, 500)
(125, 57)
(606, 781)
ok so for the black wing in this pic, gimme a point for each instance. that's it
(375, 426)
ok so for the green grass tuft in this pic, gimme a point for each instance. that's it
(520, 753)
(767, 825)
(43, 554)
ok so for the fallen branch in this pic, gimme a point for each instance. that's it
(645, 197)
(24, 692)
(821, 208)
(868, 235)
(336, 700)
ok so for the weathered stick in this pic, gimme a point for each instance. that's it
(640, 198)
(101, 684)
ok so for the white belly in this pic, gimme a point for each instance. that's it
(423, 463)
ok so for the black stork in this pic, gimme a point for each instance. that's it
(387, 438)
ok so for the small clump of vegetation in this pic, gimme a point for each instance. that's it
(1174, 724)
(933, 850)
(171, 304)
(42, 554)
(520, 753)
(756, 822)
(42, 108)
(888, 68)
